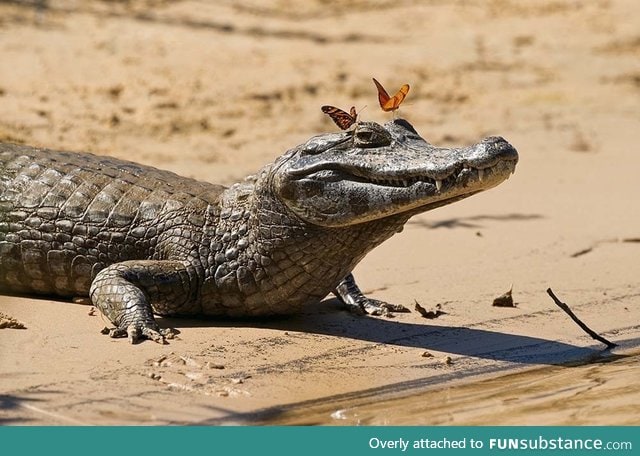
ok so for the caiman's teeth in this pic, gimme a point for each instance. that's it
(438, 184)
(405, 183)
(480, 174)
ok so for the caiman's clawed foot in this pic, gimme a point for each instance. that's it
(376, 307)
(138, 333)
(123, 293)
(351, 296)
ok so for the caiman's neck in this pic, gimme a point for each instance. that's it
(292, 251)
(273, 261)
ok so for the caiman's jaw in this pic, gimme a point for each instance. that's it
(379, 171)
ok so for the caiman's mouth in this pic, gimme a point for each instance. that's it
(459, 177)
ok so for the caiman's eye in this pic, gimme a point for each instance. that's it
(370, 135)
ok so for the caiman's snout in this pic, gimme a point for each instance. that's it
(501, 148)
(484, 165)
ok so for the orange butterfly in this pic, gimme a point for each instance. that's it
(388, 103)
(341, 118)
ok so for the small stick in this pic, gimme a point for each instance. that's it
(588, 330)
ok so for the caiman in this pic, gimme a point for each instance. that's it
(141, 241)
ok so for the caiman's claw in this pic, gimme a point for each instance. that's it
(375, 307)
(351, 296)
(137, 334)
(159, 336)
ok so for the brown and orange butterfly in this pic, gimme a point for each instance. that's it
(341, 118)
(388, 103)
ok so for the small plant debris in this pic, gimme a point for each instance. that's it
(505, 300)
(604, 241)
(430, 314)
(581, 252)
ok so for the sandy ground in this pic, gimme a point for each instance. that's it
(214, 90)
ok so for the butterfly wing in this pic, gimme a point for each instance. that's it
(388, 103)
(341, 118)
(394, 102)
(383, 96)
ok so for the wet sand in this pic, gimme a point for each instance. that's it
(216, 91)
(603, 390)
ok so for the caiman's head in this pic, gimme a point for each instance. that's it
(377, 171)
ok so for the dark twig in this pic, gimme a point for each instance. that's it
(588, 330)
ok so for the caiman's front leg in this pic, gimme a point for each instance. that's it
(124, 292)
(351, 296)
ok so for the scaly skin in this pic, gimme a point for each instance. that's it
(141, 241)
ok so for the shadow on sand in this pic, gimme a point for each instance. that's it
(328, 318)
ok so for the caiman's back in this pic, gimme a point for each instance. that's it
(66, 216)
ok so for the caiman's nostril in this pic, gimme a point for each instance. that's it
(500, 145)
